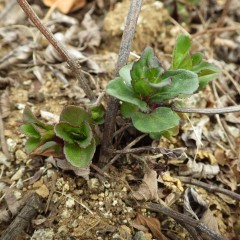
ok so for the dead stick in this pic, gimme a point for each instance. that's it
(177, 151)
(207, 111)
(83, 82)
(3, 140)
(28, 212)
(183, 219)
(210, 188)
(113, 103)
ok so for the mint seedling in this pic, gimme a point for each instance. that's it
(146, 89)
(75, 129)
(183, 59)
(72, 137)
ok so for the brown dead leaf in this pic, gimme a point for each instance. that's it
(64, 165)
(152, 224)
(66, 6)
(148, 190)
(220, 156)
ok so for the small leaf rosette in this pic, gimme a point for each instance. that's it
(38, 133)
(75, 129)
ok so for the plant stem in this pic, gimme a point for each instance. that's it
(208, 111)
(183, 219)
(83, 82)
(113, 103)
(210, 188)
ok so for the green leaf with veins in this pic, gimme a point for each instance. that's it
(128, 109)
(183, 82)
(125, 73)
(29, 131)
(181, 56)
(29, 118)
(75, 116)
(32, 144)
(122, 91)
(77, 156)
(146, 70)
(159, 120)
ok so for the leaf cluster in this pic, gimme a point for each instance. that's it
(73, 136)
(146, 89)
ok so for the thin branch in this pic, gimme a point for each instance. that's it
(174, 152)
(135, 141)
(183, 219)
(32, 207)
(3, 140)
(215, 30)
(73, 63)
(113, 103)
(210, 188)
(220, 21)
(192, 231)
(208, 111)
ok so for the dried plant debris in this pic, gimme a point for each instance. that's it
(198, 170)
(148, 190)
(150, 223)
(196, 207)
(64, 165)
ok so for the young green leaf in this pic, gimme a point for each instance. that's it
(161, 119)
(75, 116)
(181, 57)
(50, 148)
(146, 70)
(29, 131)
(128, 109)
(206, 72)
(80, 135)
(97, 114)
(184, 82)
(29, 118)
(120, 90)
(125, 73)
(77, 156)
(32, 144)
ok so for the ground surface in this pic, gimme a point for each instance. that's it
(112, 206)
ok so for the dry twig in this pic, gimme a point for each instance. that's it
(210, 188)
(28, 212)
(2, 139)
(83, 82)
(183, 219)
(208, 111)
(113, 103)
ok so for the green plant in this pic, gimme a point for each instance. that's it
(73, 136)
(146, 89)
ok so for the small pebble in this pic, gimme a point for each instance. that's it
(70, 203)
(93, 183)
(18, 174)
(11, 145)
(20, 155)
(19, 184)
(3, 160)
